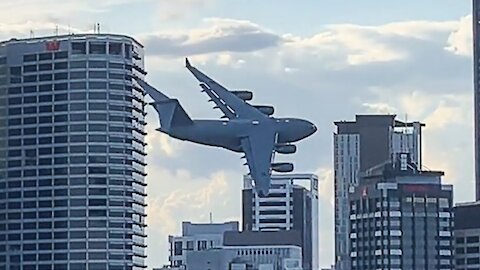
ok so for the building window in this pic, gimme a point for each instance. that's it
(115, 48)
(79, 48)
(98, 48)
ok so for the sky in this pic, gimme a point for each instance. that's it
(320, 60)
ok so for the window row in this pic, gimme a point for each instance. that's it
(70, 266)
(81, 85)
(74, 75)
(62, 203)
(45, 56)
(76, 224)
(66, 139)
(72, 128)
(67, 189)
(71, 192)
(92, 213)
(68, 171)
(72, 65)
(65, 160)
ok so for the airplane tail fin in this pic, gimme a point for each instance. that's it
(171, 115)
(170, 112)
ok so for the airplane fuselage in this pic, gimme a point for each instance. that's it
(228, 134)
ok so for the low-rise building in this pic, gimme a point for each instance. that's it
(197, 237)
(251, 250)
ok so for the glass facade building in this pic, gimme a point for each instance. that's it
(72, 189)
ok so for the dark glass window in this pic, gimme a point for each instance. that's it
(78, 75)
(60, 76)
(14, 90)
(45, 56)
(78, 64)
(115, 48)
(43, 67)
(78, 106)
(97, 74)
(61, 55)
(128, 51)
(61, 65)
(45, 87)
(61, 86)
(29, 58)
(97, 64)
(29, 89)
(78, 85)
(98, 48)
(45, 119)
(30, 68)
(79, 48)
(30, 78)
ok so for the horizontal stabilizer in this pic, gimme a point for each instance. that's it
(152, 92)
(172, 115)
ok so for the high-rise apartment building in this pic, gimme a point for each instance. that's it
(359, 145)
(72, 163)
(476, 93)
(401, 218)
(289, 206)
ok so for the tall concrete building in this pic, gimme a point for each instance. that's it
(401, 218)
(476, 93)
(289, 206)
(72, 163)
(359, 145)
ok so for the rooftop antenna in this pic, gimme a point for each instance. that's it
(98, 28)
(56, 30)
(211, 218)
(32, 35)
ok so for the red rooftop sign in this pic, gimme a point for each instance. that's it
(53, 45)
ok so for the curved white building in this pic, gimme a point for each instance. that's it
(72, 184)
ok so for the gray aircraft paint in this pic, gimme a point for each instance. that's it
(247, 130)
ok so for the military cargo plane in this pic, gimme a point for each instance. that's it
(244, 128)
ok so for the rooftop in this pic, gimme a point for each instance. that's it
(67, 37)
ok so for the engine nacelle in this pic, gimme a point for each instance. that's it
(282, 167)
(285, 148)
(268, 110)
(243, 94)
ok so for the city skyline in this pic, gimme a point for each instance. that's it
(336, 69)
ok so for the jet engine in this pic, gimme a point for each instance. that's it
(268, 110)
(243, 94)
(285, 148)
(282, 167)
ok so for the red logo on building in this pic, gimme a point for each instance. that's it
(53, 45)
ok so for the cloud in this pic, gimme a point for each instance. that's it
(379, 108)
(460, 41)
(219, 35)
(399, 68)
(174, 10)
(176, 196)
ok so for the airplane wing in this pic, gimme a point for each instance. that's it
(258, 149)
(231, 105)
